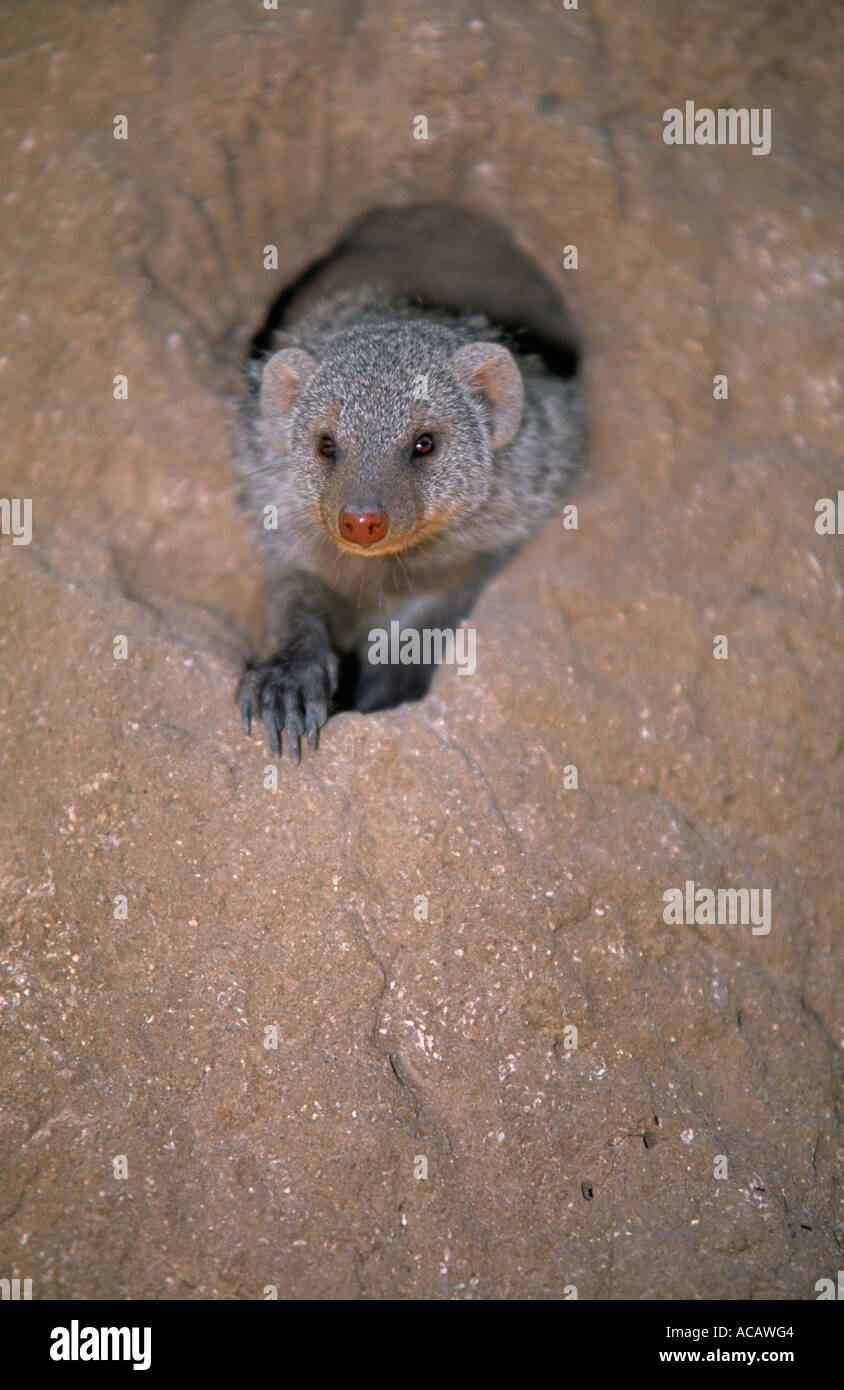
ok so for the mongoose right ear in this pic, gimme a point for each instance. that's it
(490, 371)
(284, 378)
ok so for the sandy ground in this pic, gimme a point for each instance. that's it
(688, 1146)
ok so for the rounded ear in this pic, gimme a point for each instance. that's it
(490, 371)
(282, 383)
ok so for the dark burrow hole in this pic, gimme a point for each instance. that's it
(439, 255)
(434, 255)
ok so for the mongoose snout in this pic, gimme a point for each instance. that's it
(363, 528)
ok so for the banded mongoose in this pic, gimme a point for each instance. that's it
(394, 457)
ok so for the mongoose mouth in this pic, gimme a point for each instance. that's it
(392, 545)
(394, 541)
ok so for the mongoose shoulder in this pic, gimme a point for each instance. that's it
(394, 457)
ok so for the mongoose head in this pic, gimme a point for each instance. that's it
(388, 435)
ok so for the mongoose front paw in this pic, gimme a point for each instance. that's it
(290, 693)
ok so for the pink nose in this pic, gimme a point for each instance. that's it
(363, 528)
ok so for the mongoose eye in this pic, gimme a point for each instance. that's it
(423, 444)
(327, 448)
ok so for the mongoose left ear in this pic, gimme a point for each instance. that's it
(284, 378)
(490, 371)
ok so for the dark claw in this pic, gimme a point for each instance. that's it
(273, 732)
(246, 714)
(292, 731)
(311, 731)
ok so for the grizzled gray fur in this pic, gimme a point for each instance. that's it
(393, 458)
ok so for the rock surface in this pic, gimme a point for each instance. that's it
(299, 909)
